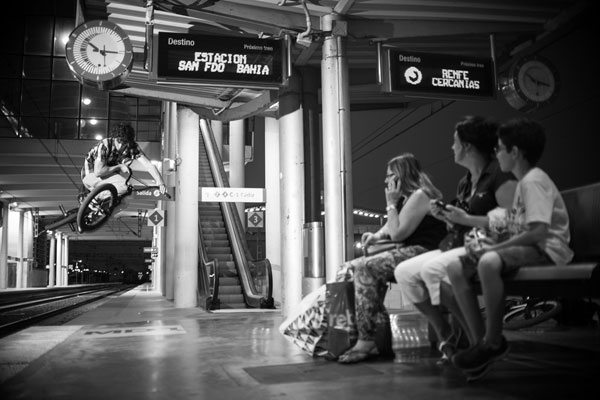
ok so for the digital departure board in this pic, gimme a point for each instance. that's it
(219, 60)
(440, 75)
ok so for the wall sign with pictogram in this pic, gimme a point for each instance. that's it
(256, 219)
(156, 218)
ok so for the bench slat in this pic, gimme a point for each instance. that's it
(556, 272)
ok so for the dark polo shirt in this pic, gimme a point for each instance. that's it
(482, 201)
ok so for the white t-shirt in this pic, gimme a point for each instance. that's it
(538, 200)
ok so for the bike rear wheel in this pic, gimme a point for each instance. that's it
(97, 207)
(529, 315)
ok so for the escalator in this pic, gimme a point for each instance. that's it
(228, 277)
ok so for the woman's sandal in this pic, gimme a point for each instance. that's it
(353, 356)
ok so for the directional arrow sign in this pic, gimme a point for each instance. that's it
(232, 195)
(150, 249)
(156, 218)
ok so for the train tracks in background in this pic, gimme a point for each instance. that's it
(20, 309)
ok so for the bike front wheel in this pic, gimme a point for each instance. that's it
(528, 315)
(97, 207)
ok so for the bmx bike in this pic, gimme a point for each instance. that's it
(529, 311)
(98, 205)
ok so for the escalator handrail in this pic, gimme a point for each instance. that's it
(213, 265)
(239, 247)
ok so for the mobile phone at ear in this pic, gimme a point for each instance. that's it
(442, 205)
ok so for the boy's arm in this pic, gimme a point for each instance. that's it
(536, 232)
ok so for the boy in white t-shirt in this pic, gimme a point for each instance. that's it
(538, 226)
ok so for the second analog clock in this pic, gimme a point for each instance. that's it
(531, 82)
(100, 54)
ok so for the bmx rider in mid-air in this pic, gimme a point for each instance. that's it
(109, 160)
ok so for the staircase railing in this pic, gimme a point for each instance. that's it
(255, 276)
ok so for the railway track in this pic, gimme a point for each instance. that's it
(24, 308)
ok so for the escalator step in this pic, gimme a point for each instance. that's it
(231, 298)
(228, 282)
(229, 290)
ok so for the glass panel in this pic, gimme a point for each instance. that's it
(122, 107)
(62, 29)
(35, 67)
(148, 131)
(39, 35)
(36, 98)
(94, 103)
(8, 127)
(93, 128)
(63, 128)
(149, 109)
(10, 90)
(34, 127)
(10, 66)
(61, 71)
(65, 99)
(11, 34)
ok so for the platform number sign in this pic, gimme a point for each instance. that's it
(256, 219)
(156, 218)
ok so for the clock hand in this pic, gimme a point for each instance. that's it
(93, 46)
(536, 81)
(103, 52)
(112, 52)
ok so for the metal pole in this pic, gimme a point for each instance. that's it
(337, 159)
(4, 247)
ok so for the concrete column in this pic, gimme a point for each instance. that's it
(20, 252)
(65, 270)
(59, 258)
(171, 205)
(51, 262)
(237, 176)
(217, 128)
(337, 156)
(273, 212)
(186, 213)
(4, 247)
(291, 153)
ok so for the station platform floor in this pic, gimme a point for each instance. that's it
(139, 346)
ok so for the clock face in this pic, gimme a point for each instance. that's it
(536, 81)
(530, 83)
(100, 54)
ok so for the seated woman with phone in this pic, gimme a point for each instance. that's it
(482, 189)
(408, 191)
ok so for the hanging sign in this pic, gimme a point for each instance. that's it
(232, 195)
(232, 61)
(438, 75)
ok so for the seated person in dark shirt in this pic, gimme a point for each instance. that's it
(482, 189)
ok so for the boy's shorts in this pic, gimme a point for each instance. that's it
(512, 258)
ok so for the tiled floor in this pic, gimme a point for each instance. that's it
(138, 346)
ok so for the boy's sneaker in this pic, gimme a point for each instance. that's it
(479, 373)
(480, 356)
(456, 341)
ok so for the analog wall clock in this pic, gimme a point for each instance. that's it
(531, 83)
(100, 54)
